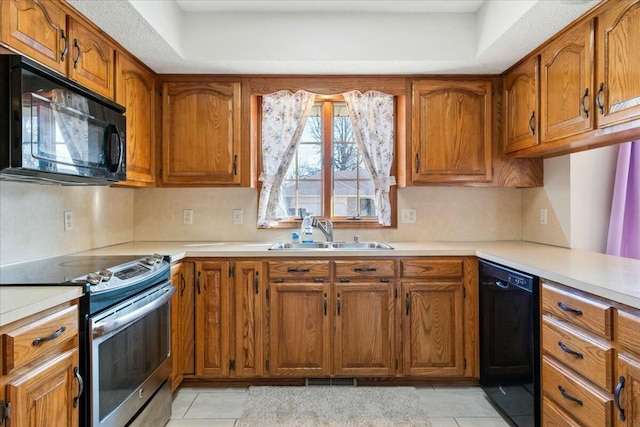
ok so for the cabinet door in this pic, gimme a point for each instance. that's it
(249, 293)
(36, 28)
(299, 330)
(433, 335)
(627, 393)
(187, 313)
(364, 338)
(176, 375)
(201, 133)
(92, 59)
(521, 109)
(45, 396)
(618, 56)
(451, 125)
(567, 84)
(212, 319)
(135, 90)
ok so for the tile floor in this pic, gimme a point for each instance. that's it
(446, 406)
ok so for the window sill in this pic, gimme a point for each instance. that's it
(337, 223)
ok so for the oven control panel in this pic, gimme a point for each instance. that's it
(124, 275)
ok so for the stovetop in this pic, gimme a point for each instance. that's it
(64, 270)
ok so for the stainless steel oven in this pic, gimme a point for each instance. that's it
(129, 353)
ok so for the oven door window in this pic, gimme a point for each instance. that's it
(129, 356)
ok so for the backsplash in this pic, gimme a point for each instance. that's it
(443, 213)
(32, 219)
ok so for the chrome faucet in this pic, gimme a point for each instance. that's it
(326, 229)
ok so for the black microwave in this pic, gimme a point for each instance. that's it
(53, 130)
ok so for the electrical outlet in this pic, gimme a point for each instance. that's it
(187, 216)
(543, 216)
(68, 220)
(237, 216)
(408, 216)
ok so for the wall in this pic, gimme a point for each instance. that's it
(443, 213)
(577, 193)
(32, 227)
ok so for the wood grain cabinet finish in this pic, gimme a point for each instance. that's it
(627, 395)
(451, 131)
(136, 91)
(249, 295)
(552, 416)
(213, 318)
(92, 59)
(182, 322)
(38, 28)
(41, 381)
(521, 106)
(567, 84)
(201, 133)
(618, 53)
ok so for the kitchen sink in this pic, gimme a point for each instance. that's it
(329, 245)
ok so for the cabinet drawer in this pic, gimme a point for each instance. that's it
(582, 311)
(592, 358)
(365, 268)
(552, 416)
(298, 270)
(629, 331)
(25, 344)
(440, 269)
(586, 403)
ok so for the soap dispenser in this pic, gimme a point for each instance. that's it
(306, 231)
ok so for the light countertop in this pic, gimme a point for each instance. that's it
(614, 278)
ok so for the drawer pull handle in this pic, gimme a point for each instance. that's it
(566, 308)
(184, 284)
(80, 386)
(257, 283)
(532, 128)
(582, 103)
(51, 337)
(325, 303)
(407, 303)
(365, 270)
(66, 45)
(298, 270)
(568, 350)
(278, 280)
(568, 396)
(75, 61)
(338, 304)
(198, 282)
(616, 398)
(599, 103)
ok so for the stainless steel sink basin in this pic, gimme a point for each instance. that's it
(360, 245)
(300, 246)
(329, 245)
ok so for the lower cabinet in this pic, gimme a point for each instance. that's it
(182, 322)
(627, 392)
(40, 380)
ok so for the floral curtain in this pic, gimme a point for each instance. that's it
(624, 225)
(284, 115)
(372, 117)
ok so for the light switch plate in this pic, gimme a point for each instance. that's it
(187, 216)
(237, 216)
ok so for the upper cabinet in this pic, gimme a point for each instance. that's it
(136, 91)
(618, 74)
(44, 31)
(567, 84)
(521, 107)
(451, 131)
(201, 133)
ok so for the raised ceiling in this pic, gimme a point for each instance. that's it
(331, 37)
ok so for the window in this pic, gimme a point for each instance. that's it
(313, 158)
(328, 156)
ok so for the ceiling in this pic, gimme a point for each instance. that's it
(331, 36)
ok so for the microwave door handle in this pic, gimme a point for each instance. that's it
(110, 131)
(100, 329)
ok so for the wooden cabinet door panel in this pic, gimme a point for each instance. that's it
(248, 326)
(618, 56)
(92, 59)
(45, 395)
(36, 28)
(433, 334)
(176, 374)
(201, 134)
(187, 313)
(521, 107)
(452, 131)
(364, 330)
(212, 319)
(567, 84)
(135, 90)
(299, 328)
(627, 409)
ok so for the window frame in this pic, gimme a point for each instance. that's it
(327, 180)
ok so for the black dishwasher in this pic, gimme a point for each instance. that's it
(510, 342)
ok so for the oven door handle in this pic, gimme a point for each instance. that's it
(101, 329)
